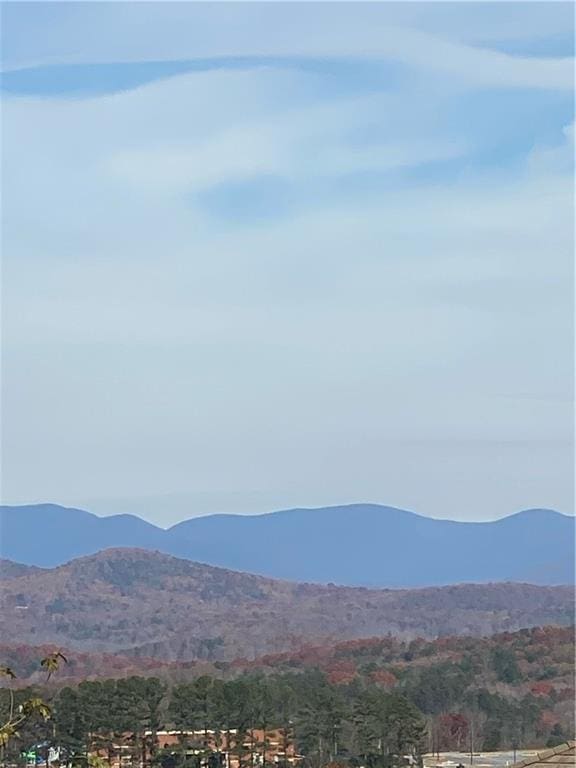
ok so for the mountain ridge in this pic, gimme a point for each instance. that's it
(355, 544)
(149, 604)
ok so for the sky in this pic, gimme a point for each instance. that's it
(267, 255)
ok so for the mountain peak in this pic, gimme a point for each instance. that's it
(12, 570)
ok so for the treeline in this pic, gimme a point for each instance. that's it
(512, 688)
(319, 721)
(356, 723)
(540, 658)
(527, 655)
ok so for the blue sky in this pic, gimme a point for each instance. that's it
(262, 255)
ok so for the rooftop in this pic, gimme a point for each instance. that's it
(563, 756)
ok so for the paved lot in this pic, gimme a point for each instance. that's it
(481, 760)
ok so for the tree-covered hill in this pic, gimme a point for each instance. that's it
(537, 661)
(153, 605)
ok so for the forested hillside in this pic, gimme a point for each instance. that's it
(511, 690)
(508, 676)
(153, 605)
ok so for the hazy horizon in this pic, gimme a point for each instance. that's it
(261, 256)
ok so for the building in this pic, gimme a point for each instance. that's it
(563, 756)
(212, 749)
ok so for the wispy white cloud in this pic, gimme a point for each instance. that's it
(298, 143)
(411, 36)
(117, 231)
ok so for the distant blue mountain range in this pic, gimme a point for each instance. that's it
(356, 545)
